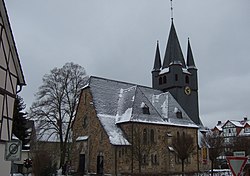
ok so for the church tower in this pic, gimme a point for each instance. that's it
(176, 76)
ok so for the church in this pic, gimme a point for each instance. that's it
(123, 128)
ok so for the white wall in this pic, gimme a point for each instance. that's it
(5, 165)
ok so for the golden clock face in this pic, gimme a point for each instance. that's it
(187, 90)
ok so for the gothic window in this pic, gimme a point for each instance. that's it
(187, 80)
(84, 98)
(85, 121)
(155, 159)
(178, 135)
(164, 79)
(120, 154)
(145, 135)
(160, 80)
(152, 136)
(144, 159)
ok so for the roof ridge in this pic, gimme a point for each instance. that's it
(113, 80)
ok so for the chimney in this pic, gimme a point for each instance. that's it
(245, 119)
(219, 122)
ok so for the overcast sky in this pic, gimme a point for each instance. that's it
(116, 39)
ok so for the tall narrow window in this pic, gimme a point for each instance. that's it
(144, 159)
(176, 77)
(160, 80)
(145, 134)
(155, 159)
(183, 135)
(187, 80)
(152, 136)
(164, 79)
(178, 135)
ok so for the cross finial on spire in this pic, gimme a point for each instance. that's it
(172, 10)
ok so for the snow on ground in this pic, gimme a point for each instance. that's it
(217, 172)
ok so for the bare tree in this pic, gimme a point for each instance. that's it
(216, 147)
(241, 143)
(141, 146)
(43, 164)
(56, 101)
(184, 146)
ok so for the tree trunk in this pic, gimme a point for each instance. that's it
(182, 167)
(212, 167)
(63, 152)
(139, 165)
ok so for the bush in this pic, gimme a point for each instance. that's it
(43, 164)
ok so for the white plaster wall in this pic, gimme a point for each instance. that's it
(4, 165)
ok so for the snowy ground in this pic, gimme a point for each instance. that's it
(224, 172)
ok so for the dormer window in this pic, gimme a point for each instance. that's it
(145, 108)
(178, 113)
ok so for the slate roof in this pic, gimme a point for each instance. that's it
(173, 53)
(119, 102)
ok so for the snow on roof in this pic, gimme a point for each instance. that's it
(171, 149)
(164, 70)
(236, 123)
(118, 102)
(186, 71)
(116, 136)
(219, 127)
(82, 138)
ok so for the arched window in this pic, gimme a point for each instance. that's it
(176, 77)
(187, 80)
(160, 80)
(164, 79)
(155, 159)
(145, 134)
(152, 136)
(178, 135)
(144, 159)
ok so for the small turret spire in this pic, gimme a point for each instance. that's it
(157, 64)
(190, 58)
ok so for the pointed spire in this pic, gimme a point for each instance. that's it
(157, 64)
(190, 58)
(173, 53)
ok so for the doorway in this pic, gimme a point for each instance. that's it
(99, 164)
(81, 167)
